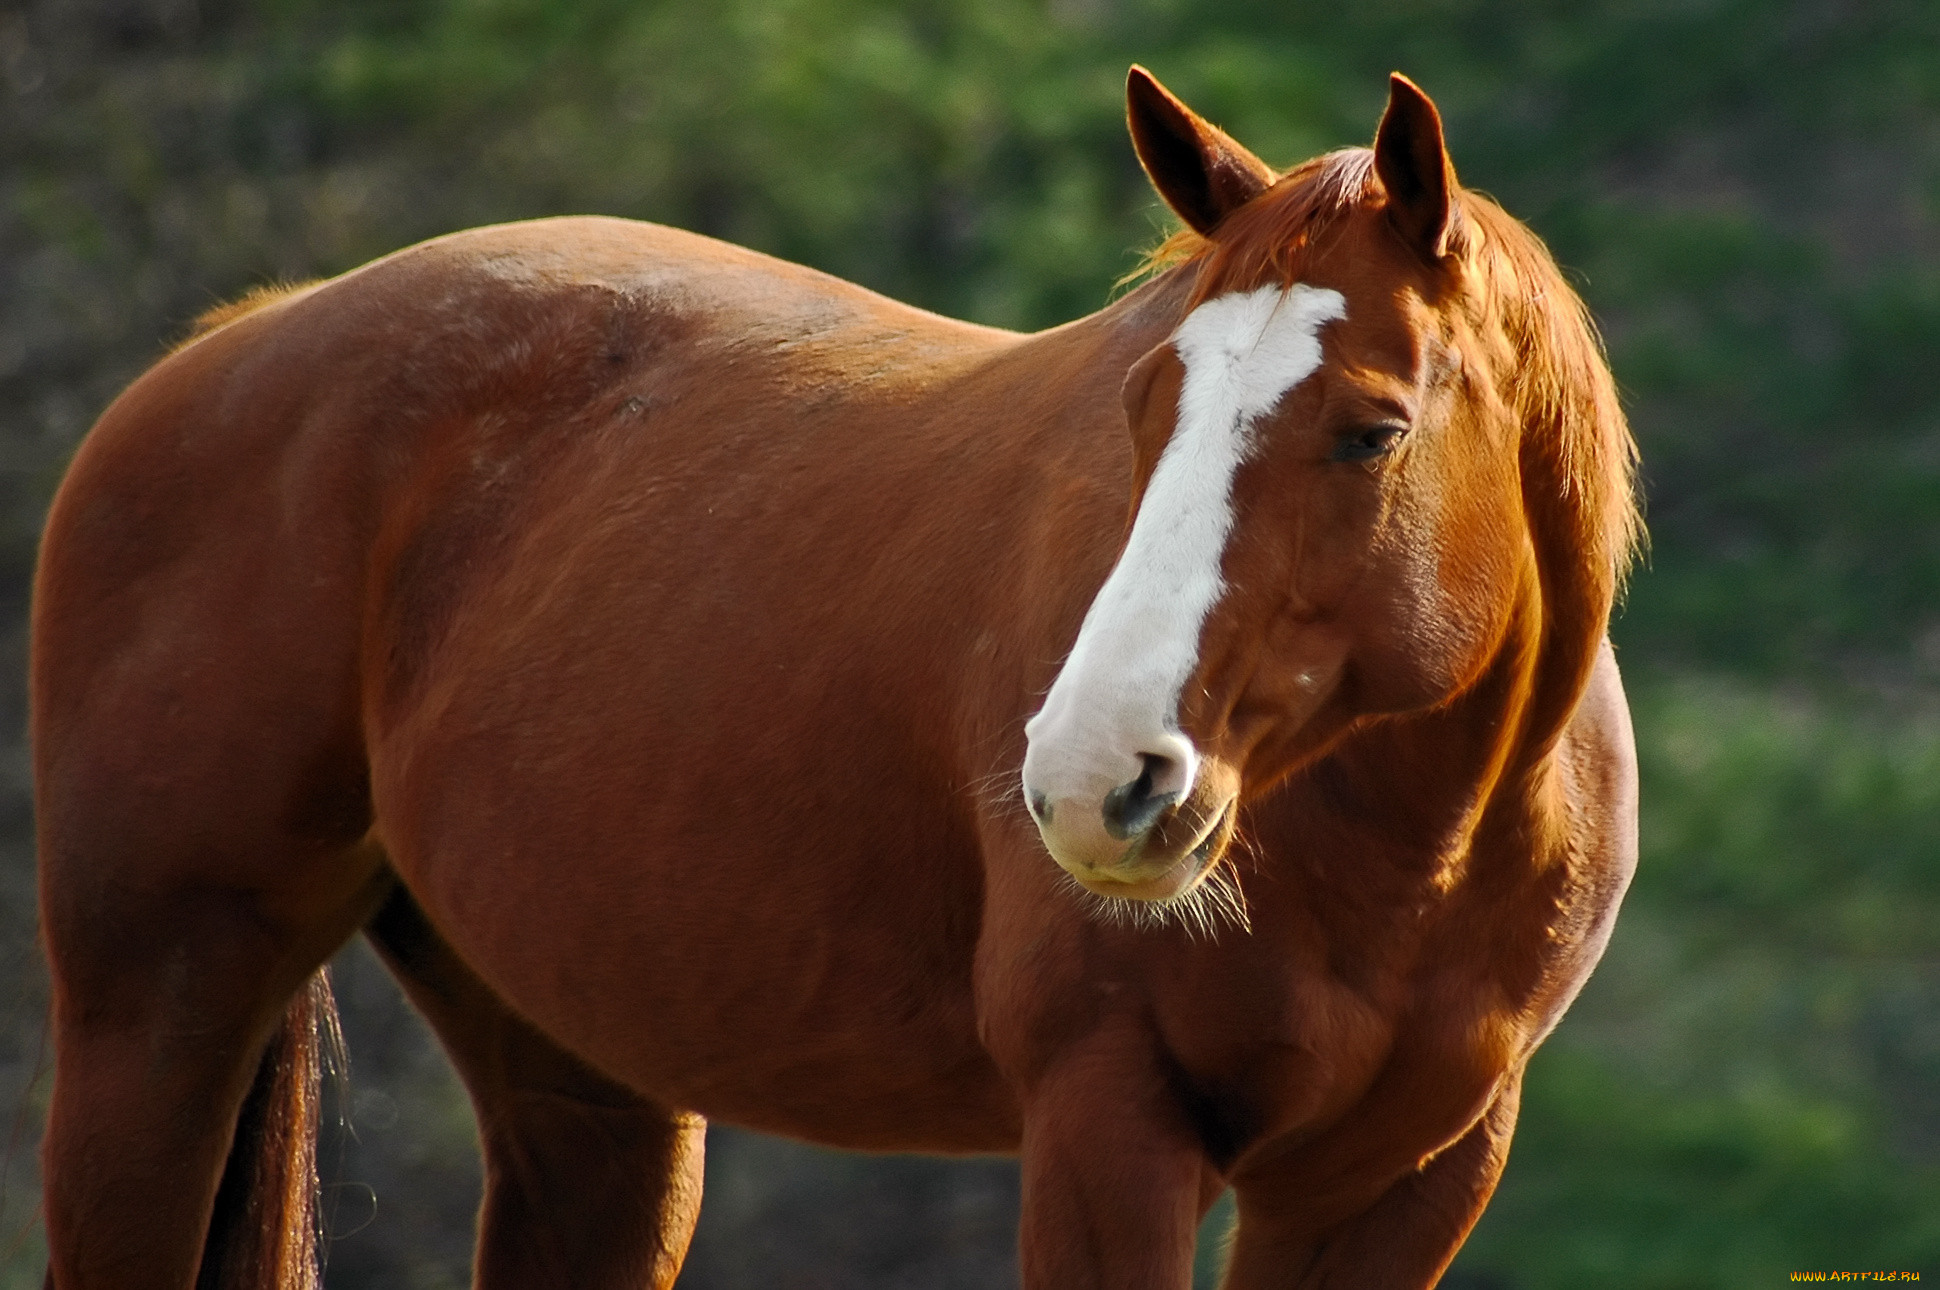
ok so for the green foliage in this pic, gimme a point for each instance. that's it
(1751, 1083)
(1616, 1183)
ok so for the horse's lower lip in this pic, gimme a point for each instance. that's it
(1163, 887)
(1166, 884)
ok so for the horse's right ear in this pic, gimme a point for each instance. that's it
(1200, 171)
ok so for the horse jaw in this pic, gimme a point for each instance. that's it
(1109, 728)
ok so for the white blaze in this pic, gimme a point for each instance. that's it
(1117, 696)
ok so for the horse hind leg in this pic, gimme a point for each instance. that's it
(201, 790)
(587, 1184)
(171, 1001)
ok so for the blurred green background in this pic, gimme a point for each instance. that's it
(1745, 193)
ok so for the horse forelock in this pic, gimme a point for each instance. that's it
(1272, 237)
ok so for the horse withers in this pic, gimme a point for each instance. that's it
(1180, 747)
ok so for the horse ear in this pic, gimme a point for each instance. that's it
(1201, 172)
(1413, 164)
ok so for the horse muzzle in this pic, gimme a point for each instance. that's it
(1151, 837)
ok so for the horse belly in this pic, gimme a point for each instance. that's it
(715, 868)
(711, 980)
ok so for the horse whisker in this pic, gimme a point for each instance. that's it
(1213, 905)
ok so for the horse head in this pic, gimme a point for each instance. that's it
(1378, 455)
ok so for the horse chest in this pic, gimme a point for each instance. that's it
(1315, 1066)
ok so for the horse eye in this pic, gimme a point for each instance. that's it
(1367, 443)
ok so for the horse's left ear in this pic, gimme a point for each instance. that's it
(1197, 167)
(1413, 164)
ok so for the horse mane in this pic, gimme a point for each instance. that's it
(1274, 234)
(1561, 391)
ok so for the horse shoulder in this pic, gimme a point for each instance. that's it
(1601, 750)
(1595, 784)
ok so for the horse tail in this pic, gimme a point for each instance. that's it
(264, 1233)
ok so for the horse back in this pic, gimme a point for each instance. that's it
(372, 437)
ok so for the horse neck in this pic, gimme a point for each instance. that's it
(1104, 345)
(1431, 783)
(1058, 395)
(1047, 460)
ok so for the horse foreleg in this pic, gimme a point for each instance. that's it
(587, 1184)
(1115, 1180)
(1404, 1241)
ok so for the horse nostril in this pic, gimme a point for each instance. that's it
(1040, 807)
(1131, 809)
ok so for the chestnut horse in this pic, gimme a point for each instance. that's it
(680, 664)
